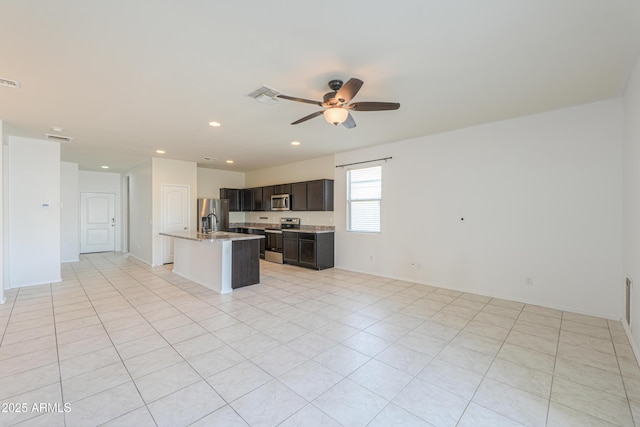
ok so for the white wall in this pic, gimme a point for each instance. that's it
(69, 212)
(172, 172)
(210, 181)
(631, 227)
(105, 182)
(141, 212)
(540, 197)
(307, 170)
(33, 231)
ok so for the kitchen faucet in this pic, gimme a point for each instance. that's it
(213, 226)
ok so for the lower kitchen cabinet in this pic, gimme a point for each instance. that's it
(290, 247)
(310, 250)
(262, 241)
(245, 265)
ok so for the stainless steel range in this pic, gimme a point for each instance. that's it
(273, 237)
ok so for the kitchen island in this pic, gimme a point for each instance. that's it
(221, 261)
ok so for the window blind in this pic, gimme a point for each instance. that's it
(364, 194)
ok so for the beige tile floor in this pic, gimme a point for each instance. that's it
(122, 344)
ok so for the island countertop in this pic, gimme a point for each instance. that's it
(216, 236)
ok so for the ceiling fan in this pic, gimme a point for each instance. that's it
(336, 103)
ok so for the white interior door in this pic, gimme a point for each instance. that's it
(175, 216)
(97, 222)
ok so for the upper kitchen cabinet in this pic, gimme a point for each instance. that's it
(282, 189)
(320, 195)
(299, 196)
(258, 200)
(312, 195)
(267, 192)
(305, 196)
(246, 199)
(233, 195)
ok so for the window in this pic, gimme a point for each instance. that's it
(364, 193)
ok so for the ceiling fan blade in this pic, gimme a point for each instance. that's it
(306, 101)
(374, 106)
(349, 123)
(349, 90)
(309, 117)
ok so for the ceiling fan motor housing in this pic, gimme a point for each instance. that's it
(335, 85)
(329, 99)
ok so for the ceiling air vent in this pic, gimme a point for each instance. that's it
(58, 138)
(266, 95)
(9, 83)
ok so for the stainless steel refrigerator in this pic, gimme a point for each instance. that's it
(213, 215)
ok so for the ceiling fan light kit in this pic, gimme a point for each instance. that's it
(336, 103)
(335, 115)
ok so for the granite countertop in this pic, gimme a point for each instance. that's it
(302, 229)
(216, 236)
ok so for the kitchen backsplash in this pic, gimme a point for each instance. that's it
(271, 217)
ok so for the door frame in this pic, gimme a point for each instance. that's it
(163, 216)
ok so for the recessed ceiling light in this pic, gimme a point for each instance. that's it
(230, 161)
(57, 129)
(104, 167)
(160, 151)
(215, 124)
(296, 143)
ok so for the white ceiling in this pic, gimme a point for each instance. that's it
(127, 77)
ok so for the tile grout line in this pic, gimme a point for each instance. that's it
(11, 310)
(114, 347)
(255, 301)
(489, 367)
(624, 383)
(553, 372)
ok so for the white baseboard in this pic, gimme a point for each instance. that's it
(489, 294)
(634, 347)
(129, 254)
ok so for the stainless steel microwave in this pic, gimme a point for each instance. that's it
(280, 202)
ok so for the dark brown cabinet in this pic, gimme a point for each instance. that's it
(246, 199)
(245, 263)
(310, 250)
(299, 196)
(282, 189)
(305, 196)
(320, 195)
(290, 247)
(267, 192)
(307, 250)
(257, 199)
(262, 241)
(233, 195)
